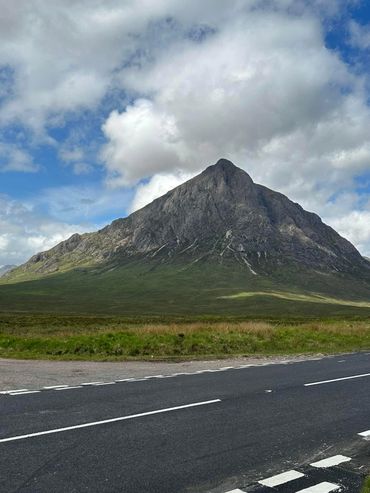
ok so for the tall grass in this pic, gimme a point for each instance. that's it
(110, 339)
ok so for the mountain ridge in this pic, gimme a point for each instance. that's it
(221, 213)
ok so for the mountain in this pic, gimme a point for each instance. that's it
(217, 235)
(6, 268)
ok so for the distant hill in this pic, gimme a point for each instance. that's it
(6, 268)
(196, 249)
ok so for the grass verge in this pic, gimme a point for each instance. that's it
(366, 487)
(119, 339)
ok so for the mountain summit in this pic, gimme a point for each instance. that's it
(216, 236)
(219, 215)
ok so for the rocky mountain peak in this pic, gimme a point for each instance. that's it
(220, 215)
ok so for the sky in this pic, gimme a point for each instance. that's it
(106, 105)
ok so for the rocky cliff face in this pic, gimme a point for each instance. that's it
(220, 214)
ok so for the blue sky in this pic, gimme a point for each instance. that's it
(106, 105)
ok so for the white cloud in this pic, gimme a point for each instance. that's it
(157, 186)
(355, 226)
(24, 232)
(262, 90)
(14, 158)
(142, 140)
(258, 86)
(84, 203)
(360, 35)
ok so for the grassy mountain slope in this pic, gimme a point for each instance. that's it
(145, 287)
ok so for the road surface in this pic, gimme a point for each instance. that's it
(245, 428)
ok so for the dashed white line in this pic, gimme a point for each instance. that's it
(337, 379)
(282, 478)
(51, 387)
(235, 491)
(112, 420)
(26, 392)
(90, 383)
(331, 461)
(69, 388)
(103, 383)
(324, 487)
(365, 433)
(10, 391)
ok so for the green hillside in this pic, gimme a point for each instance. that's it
(147, 288)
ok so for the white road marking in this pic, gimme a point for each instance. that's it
(10, 391)
(268, 391)
(235, 491)
(324, 487)
(90, 383)
(69, 388)
(50, 387)
(282, 478)
(365, 433)
(106, 421)
(331, 461)
(125, 380)
(26, 392)
(337, 379)
(103, 383)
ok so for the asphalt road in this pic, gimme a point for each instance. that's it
(211, 431)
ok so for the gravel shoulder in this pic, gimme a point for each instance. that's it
(30, 374)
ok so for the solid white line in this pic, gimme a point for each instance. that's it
(69, 388)
(365, 433)
(337, 379)
(235, 491)
(26, 392)
(324, 487)
(282, 478)
(112, 420)
(125, 380)
(331, 461)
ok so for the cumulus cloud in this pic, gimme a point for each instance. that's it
(24, 232)
(355, 227)
(359, 35)
(262, 90)
(158, 185)
(142, 140)
(14, 158)
(249, 80)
